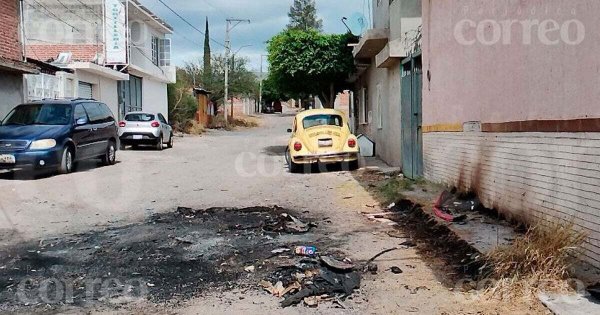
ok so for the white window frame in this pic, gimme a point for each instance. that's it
(363, 108)
(164, 52)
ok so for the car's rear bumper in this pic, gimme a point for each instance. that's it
(327, 158)
(33, 160)
(134, 138)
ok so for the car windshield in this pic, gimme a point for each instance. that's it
(322, 120)
(139, 117)
(39, 114)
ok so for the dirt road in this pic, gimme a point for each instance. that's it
(129, 221)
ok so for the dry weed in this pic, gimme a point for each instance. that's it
(538, 261)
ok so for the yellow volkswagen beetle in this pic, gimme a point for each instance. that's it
(321, 136)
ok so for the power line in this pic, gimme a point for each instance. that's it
(190, 24)
(74, 13)
(52, 15)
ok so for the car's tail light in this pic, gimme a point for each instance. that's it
(155, 124)
(297, 146)
(122, 124)
(351, 143)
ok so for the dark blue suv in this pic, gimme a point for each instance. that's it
(55, 134)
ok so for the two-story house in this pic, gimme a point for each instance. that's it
(386, 57)
(12, 65)
(117, 50)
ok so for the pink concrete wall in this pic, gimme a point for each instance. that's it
(510, 80)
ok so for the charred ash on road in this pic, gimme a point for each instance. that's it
(170, 257)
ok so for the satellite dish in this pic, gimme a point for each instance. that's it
(357, 23)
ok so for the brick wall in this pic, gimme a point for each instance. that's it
(80, 52)
(535, 176)
(10, 46)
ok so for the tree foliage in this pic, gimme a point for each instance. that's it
(304, 63)
(207, 55)
(303, 16)
(182, 104)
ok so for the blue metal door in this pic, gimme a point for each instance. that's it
(411, 100)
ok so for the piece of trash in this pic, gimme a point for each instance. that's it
(309, 251)
(348, 197)
(280, 250)
(408, 244)
(396, 270)
(391, 205)
(278, 289)
(311, 301)
(150, 284)
(376, 256)
(287, 223)
(249, 269)
(184, 240)
(327, 282)
(336, 264)
(396, 234)
(372, 268)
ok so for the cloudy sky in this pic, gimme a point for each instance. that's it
(268, 17)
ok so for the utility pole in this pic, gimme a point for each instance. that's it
(261, 84)
(231, 24)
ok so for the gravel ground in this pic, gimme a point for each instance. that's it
(245, 168)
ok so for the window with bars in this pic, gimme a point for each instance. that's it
(155, 50)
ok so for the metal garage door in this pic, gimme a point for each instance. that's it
(85, 90)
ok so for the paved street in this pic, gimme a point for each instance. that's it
(245, 168)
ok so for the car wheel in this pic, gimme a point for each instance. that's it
(66, 162)
(110, 157)
(293, 167)
(159, 144)
(352, 165)
(170, 144)
(122, 146)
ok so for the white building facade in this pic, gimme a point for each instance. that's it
(117, 50)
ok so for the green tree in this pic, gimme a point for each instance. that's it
(207, 69)
(303, 16)
(182, 104)
(306, 63)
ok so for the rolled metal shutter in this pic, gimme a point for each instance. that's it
(85, 90)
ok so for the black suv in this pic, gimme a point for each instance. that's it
(54, 134)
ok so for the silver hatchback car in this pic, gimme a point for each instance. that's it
(144, 128)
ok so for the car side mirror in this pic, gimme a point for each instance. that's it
(289, 130)
(81, 121)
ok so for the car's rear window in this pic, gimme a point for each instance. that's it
(139, 117)
(322, 120)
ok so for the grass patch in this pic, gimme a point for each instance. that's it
(391, 189)
(245, 121)
(539, 260)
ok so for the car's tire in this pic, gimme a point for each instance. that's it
(170, 144)
(296, 168)
(122, 146)
(159, 144)
(351, 166)
(110, 156)
(66, 161)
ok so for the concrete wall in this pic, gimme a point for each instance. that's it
(103, 89)
(531, 175)
(484, 74)
(387, 137)
(11, 92)
(515, 81)
(154, 96)
(80, 25)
